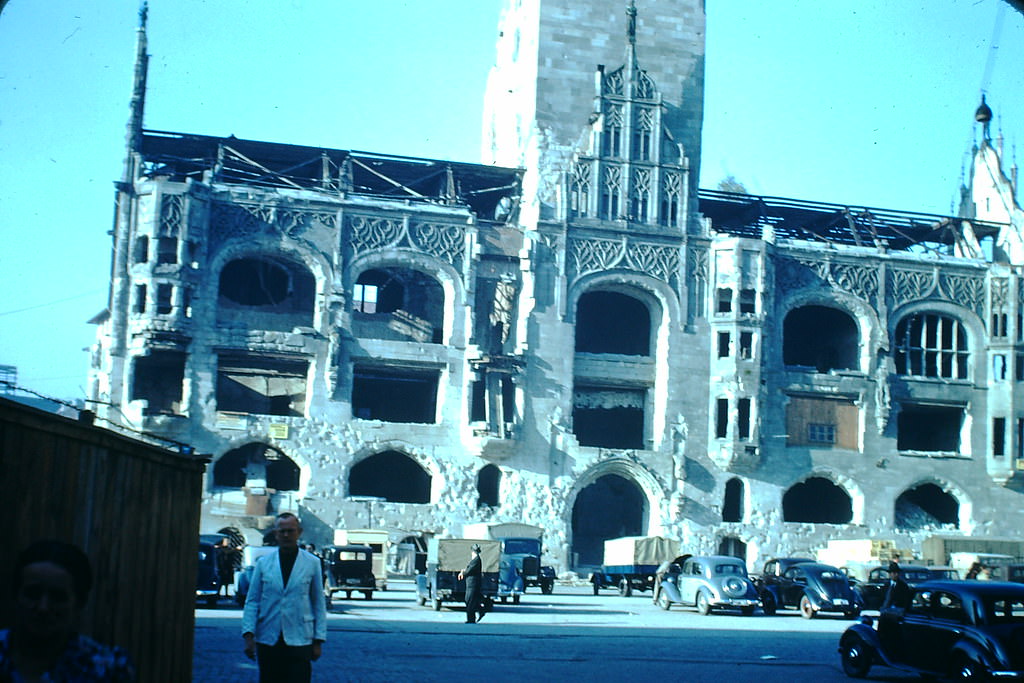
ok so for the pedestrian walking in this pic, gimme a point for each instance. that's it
(285, 618)
(473, 574)
(898, 594)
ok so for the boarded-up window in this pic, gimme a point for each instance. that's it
(822, 422)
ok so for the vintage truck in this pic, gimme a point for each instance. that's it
(379, 540)
(521, 548)
(446, 557)
(631, 563)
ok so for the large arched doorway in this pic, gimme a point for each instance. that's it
(256, 465)
(817, 500)
(611, 507)
(926, 506)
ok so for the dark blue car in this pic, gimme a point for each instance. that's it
(965, 630)
(813, 588)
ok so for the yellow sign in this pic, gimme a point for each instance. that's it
(278, 431)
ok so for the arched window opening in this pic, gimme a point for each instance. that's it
(926, 506)
(611, 507)
(610, 322)
(820, 337)
(266, 293)
(399, 304)
(488, 485)
(819, 501)
(390, 475)
(255, 466)
(609, 417)
(732, 506)
(931, 345)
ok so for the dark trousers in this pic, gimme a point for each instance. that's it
(282, 663)
(474, 605)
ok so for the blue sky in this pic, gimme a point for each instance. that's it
(867, 103)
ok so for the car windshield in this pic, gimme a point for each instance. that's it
(522, 546)
(1004, 610)
(730, 570)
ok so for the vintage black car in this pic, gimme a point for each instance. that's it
(967, 630)
(207, 576)
(812, 588)
(874, 589)
(348, 569)
(706, 582)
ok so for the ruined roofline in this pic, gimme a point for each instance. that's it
(231, 160)
(746, 215)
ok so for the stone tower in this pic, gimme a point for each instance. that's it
(540, 92)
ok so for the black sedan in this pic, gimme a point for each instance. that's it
(874, 589)
(966, 630)
(812, 588)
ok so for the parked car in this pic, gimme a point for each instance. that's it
(348, 569)
(873, 590)
(207, 574)
(707, 582)
(250, 555)
(811, 587)
(967, 630)
(944, 574)
(1015, 573)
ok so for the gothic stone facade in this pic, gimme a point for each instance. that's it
(579, 339)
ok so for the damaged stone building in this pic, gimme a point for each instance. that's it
(570, 334)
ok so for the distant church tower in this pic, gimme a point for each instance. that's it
(541, 90)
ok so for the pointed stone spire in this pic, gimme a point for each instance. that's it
(133, 136)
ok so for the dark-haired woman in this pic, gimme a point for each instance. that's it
(52, 580)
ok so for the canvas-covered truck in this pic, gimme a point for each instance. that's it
(631, 563)
(446, 557)
(521, 548)
(379, 541)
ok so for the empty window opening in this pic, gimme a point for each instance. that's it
(261, 386)
(166, 250)
(999, 367)
(256, 466)
(139, 299)
(609, 418)
(1018, 367)
(390, 475)
(158, 378)
(999, 436)
(930, 345)
(164, 299)
(926, 505)
(748, 301)
(746, 345)
(732, 547)
(999, 321)
(1020, 437)
(743, 418)
(820, 337)
(395, 394)
(724, 304)
(822, 422)
(929, 428)
(399, 304)
(721, 418)
(611, 507)
(488, 486)
(818, 501)
(723, 344)
(141, 254)
(266, 293)
(478, 401)
(732, 504)
(610, 322)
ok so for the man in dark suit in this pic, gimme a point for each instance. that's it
(285, 619)
(473, 574)
(899, 593)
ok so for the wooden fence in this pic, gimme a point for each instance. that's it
(133, 507)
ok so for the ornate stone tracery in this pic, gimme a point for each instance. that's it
(442, 240)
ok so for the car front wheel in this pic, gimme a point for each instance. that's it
(856, 656)
(806, 608)
(703, 604)
(663, 601)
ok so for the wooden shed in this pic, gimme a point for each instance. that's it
(133, 507)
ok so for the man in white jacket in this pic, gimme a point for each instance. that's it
(285, 619)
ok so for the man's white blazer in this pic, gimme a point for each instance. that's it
(298, 611)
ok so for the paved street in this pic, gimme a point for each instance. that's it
(571, 635)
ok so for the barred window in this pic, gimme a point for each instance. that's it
(931, 345)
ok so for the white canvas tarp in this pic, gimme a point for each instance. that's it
(503, 530)
(632, 550)
(453, 553)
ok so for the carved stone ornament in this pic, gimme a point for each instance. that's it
(800, 273)
(441, 240)
(171, 211)
(596, 255)
(229, 220)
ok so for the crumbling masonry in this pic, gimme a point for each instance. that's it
(571, 334)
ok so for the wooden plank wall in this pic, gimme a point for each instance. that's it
(132, 506)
